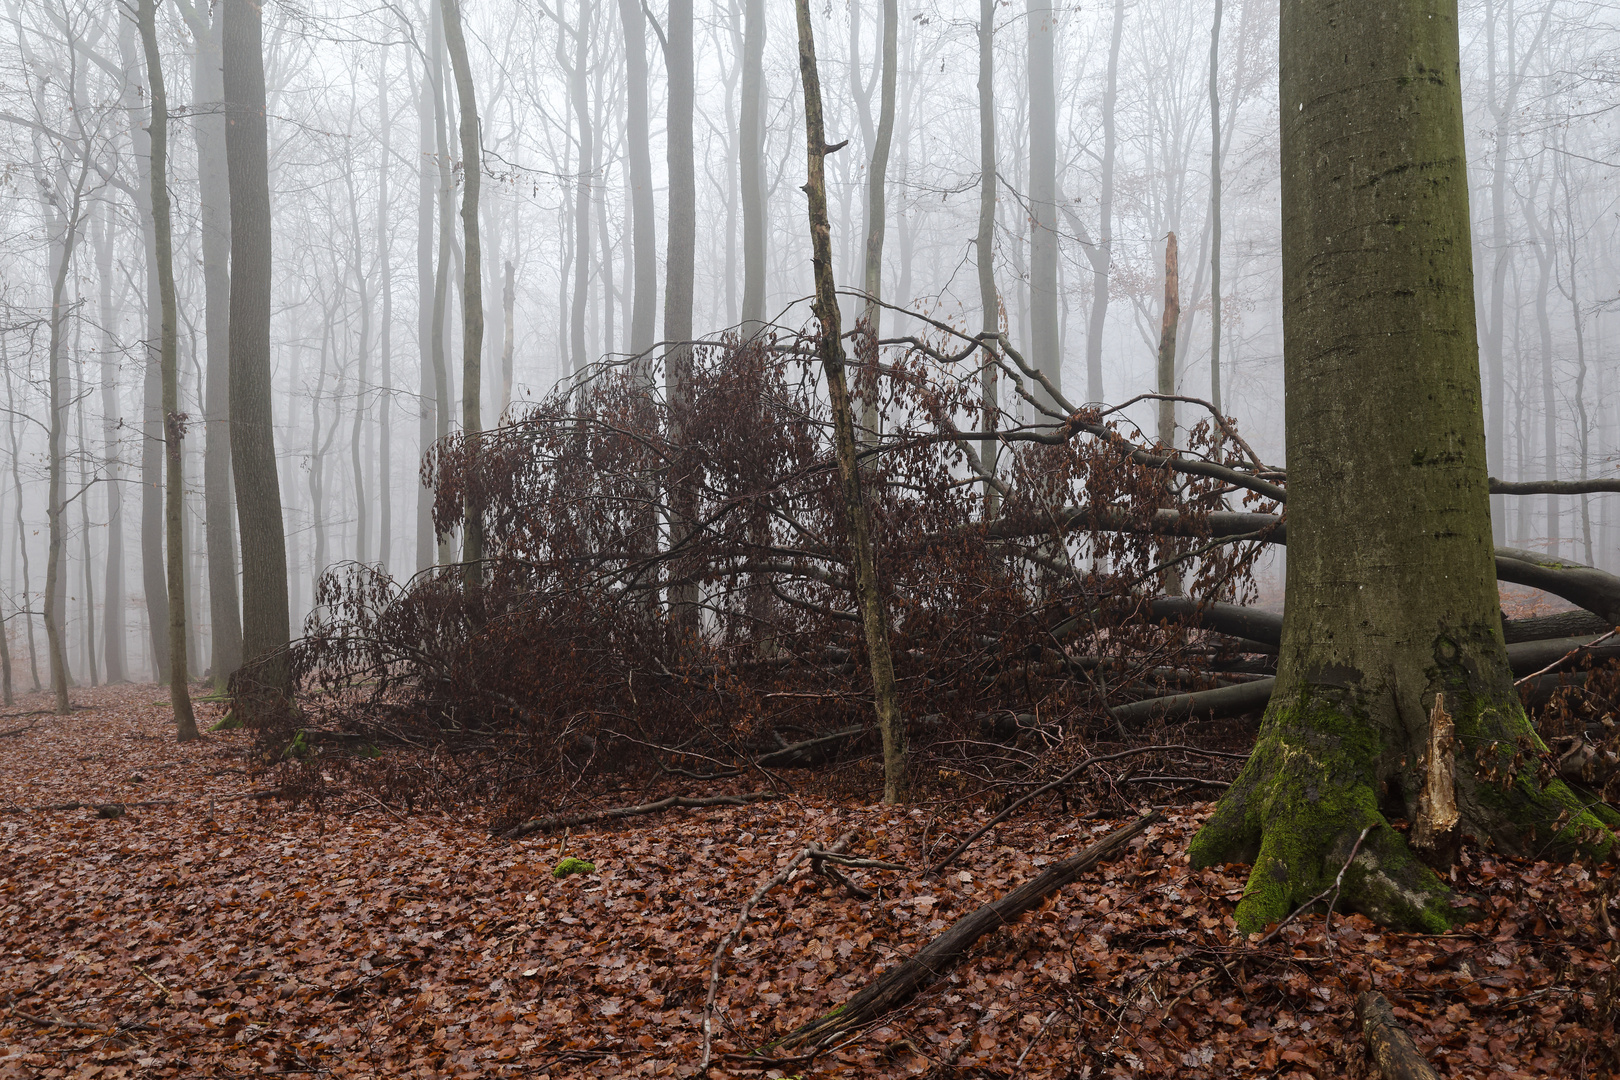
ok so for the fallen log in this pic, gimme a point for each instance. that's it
(1526, 658)
(1584, 586)
(1390, 1049)
(899, 984)
(810, 751)
(568, 821)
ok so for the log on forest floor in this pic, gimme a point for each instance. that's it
(899, 984)
(1390, 1049)
(563, 821)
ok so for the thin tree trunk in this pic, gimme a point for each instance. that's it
(385, 344)
(679, 268)
(1167, 343)
(362, 382)
(989, 305)
(830, 347)
(25, 608)
(265, 615)
(174, 484)
(579, 100)
(442, 392)
(84, 455)
(472, 284)
(1043, 241)
(508, 303)
(1101, 254)
(876, 218)
(1215, 210)
(427, 304)
(643, 215)
(112, 604)
(751, 163)
(214, 214)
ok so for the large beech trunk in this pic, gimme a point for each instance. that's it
(1392, 595)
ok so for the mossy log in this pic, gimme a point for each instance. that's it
(897, 985)
(1390, 1049)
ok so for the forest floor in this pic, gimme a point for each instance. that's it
(214, 934)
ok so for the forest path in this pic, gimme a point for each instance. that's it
(357, 939)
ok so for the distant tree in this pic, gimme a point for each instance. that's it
(1394, 695)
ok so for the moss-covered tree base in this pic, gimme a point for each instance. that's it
(1324, 772)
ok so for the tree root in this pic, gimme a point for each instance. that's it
(899, 984)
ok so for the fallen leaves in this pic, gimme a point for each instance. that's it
(340, 939)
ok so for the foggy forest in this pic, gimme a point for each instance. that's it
(783, 538)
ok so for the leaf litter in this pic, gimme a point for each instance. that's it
(217, 934)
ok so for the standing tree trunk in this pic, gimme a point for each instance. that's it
(985, 245)
(214, 214)
(112, 601)
(1392, 621)
(643, 215)
(265, 616)
(579, 99)
(1043, 240)
(830, 348)
(385, 344)
(876, 222)
(1215, 210)
(25, 609)
(174, 483)
(1167, 343)
(426, 307)
(472, 285)
(679, 268)
(1101, 254)
(751, 162)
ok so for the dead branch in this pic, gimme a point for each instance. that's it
(1389, 1046)
(780, 877)
(562, 821)
(896, 986)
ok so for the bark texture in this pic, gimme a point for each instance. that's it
(830, 347)
(265, 616)
(1391, 589)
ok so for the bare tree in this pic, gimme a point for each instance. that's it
(265, 615)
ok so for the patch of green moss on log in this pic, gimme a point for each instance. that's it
(1304, 799)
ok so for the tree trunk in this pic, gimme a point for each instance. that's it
(876, 222)
(1043, 239)
(67, 221)
(985, 245)
(174, 483)
(1167, 343)
(112, 606)
(1101, 254)
(830, 348)
(472, 284)
(385, 344)
(579, 100)
(1215, 210)
(214, 214)
(643, 214)
(1386, 608)
(679, 269)
(426, 306)
(25, 608)
(751, 162)
(265, 616)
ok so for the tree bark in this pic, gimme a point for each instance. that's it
(265, 616)
(385, 344)
(679, 268)
(174, 483)
(752, 165)
(876, 218)
(426, 307)
(1101, 254)
(1391, 598)
(1043, 240)
(985, 249)
(643, 214)
(214, 215)
(472, 285)
(830, 349)
(1215, 209)
(112, 608)
(1167, 344)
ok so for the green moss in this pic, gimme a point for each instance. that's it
(229, 722)
(1308, 793)
(571, 865)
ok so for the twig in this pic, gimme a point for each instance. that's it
(1064, 779)
(776, 879)
(1566, 656)
(382, 804)
(569, 820)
